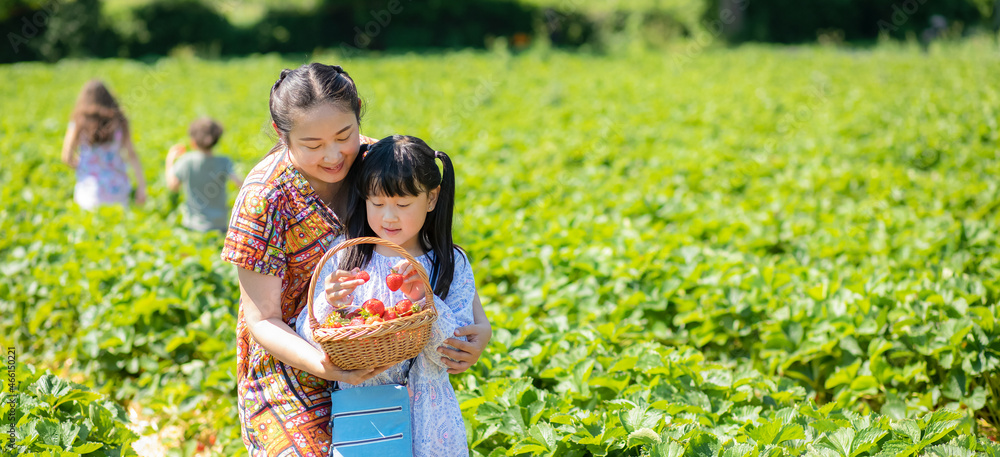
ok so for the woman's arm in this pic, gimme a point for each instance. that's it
(468, 352)
(70, 143)
(133, 158)
(261, 298)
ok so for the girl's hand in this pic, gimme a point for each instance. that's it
(340, 285)
(412, 287)
(140, 195)
(71, 161)
(468, 352)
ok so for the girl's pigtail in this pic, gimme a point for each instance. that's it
(439, 233)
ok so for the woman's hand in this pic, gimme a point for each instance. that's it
(331, 372)
(340, 285)
(478, 336)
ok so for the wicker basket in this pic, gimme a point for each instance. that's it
(379, 344)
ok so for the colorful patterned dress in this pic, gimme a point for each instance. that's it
(280, 227)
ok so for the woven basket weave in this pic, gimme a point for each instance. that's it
(379, 344)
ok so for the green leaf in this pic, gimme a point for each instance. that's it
(865, 440)
(643, 436)
(77, 395)
(839, 441)
(738, 450)
(861, 383)
(624, 364)
(87, 448)
(666, 449)
(704, 445)
(907, 428)
(544, 434)
(947, 450)
(639, 417)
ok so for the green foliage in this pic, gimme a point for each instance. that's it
(785, 21)
(56, 417)
(738, 252)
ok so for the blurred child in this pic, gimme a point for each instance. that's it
(203, 175)
(97, 133)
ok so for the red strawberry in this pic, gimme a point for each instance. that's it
(364, 275)
(390, 314)
(404, 307)
(357, 321)
(375, 307)
(373, 320)
(353, 314)
(394, 281)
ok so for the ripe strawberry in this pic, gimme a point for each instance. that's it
(364, 275)
(375, 307)
(357, 321)
(373, 320)
(353, 314)
(394, 280)
(390, 314)
(404, 307)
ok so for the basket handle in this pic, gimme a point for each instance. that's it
(428, 291)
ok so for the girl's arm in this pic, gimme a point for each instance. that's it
(468, 352)
(70, 143)
(172, 182)
(140, 179)
(261, 298)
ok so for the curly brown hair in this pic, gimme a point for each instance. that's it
(97, 114)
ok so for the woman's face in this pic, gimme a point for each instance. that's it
(323, 143)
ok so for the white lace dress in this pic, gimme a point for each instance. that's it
(438, 429)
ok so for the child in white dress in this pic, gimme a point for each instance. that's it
(399, 194)
(95, 138)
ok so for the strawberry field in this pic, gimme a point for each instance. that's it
(748, 252)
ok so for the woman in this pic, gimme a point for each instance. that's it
(286, 216)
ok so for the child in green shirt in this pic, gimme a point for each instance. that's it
(203, 176)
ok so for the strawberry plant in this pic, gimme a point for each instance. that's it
(751, 251)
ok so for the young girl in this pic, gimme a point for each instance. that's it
(99, 130)
(400, 195)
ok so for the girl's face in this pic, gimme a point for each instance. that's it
(399, 219)
(323, 143)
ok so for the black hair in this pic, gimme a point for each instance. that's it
(307, 86)
(399, 166)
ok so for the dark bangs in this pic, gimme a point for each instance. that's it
(387, 170)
